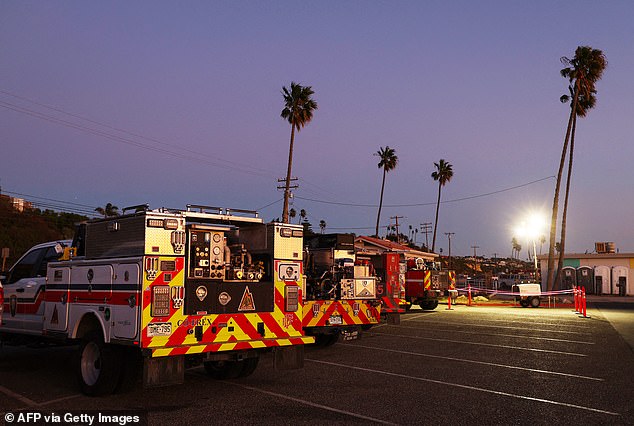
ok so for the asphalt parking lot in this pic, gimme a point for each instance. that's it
(469, 365)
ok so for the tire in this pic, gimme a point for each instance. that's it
(432, 305)
(222, 370)
(98, 366)
(327, 339)
(250, 364)
(535, 302)
(132, 366)
(524, 303)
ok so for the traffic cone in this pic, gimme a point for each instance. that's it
(583, 292)
(449, 302)
(469, 301)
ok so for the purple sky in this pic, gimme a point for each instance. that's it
(196, 86)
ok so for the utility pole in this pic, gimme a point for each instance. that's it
(475, 258)
(449, 235)
(426, 228)
(287, 194)
(398, 236)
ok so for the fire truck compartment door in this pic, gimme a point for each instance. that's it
(56, 309)
(125, 305)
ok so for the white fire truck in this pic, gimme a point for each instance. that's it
(156, 291)
(341, 292)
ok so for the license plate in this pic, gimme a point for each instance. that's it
(159, 329)
(335, 320)
(349, 335)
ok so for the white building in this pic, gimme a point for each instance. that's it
(600, 273)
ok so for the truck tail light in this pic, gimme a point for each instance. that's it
(292, 298)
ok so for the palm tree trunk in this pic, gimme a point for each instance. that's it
(553, 221)
(562, 243)
(433, 241)
(378, 216)
(288, 176)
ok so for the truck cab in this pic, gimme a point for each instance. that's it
(24, 287)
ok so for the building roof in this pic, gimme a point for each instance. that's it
(589, 256)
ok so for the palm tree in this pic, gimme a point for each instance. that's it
(322, 225)
(514, 244)
(108, 211)
(583, 71)
(388, 162)
(292, 213)
(303, 215)
(585, 102)
(298, 110)
(443, 174)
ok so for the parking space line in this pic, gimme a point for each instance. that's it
(490, 364)
(473, 388)
(504, 335)
(510, 327)
(64, 398)
(14, 395)
(480, 344)
(559, 323)
(311, 404)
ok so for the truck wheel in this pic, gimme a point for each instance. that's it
(534, 302)
(326, 339)
(222, 370)
(432, 305)
(250, 365)
(98, 366)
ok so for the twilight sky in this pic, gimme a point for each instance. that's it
(170, 103)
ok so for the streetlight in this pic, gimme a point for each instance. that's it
(532, 228)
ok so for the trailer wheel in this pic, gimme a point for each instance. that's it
(98, 366)
(534, 302)
(222, 370)
(524, 303)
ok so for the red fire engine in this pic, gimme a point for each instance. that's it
(341, 296)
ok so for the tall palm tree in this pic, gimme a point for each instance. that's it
(514, 245)
(585, 102)
(583, 71)
(388, 162)
(322, 225)
(108, 211)
(303, 215)
(443, 174)
(298, 110)
(292, 213)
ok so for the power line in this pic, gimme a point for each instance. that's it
(430, 203)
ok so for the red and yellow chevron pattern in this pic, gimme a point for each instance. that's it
(336, 313)
(180, 334)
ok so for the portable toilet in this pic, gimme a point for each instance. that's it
(569, 277)
(585, 278)
(619, 280)
(602, 279)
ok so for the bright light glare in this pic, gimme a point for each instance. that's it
(532, 227)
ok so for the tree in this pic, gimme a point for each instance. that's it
(388, 162)
(443, 174)
(322, 225)
(303, 215)
(292, 213)
(108, 211)
(582, 71)
(298, 110)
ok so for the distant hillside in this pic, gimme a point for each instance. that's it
(19, 231)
